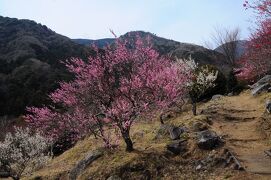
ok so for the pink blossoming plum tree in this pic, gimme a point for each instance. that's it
(110, 91)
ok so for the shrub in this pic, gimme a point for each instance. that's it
(203, 78)
(21, 150)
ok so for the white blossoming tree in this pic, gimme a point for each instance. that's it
(203, 78)
(21, 150)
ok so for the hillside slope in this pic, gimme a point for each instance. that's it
(30, 67)
(241, 46)
(169, 47)
(240, 120)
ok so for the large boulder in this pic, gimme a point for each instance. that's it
(264, 80)
(175, 132)
(261, 88)
(263, 85)
(81, 165)
(178, 147)
(208, 140)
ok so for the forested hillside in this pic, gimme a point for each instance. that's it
(30, 56)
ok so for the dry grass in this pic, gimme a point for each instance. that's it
(150, 153)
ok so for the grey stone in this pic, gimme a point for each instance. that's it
(230, 94)
(264, 80)
(81, 165)
(177, 147)
(217, 96)
(199, 167)
(171, 130)
(208, 140)
(263, 85)
(175, 132)
(261, 88)
(268, 106)
(114, 177)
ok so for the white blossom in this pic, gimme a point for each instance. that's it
(21, 149)
(190, 63)
(204, 77)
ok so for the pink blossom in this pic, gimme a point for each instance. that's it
(111, 89)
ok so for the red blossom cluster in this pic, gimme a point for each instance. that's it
(262, 7)
(256, 61)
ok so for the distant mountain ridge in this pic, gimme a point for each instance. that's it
(170, 47)
(31, 55)
(101, 43)
(240, 48)
(177, 49)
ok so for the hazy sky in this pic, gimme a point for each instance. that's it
(182, 20)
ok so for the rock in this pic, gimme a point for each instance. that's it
(114, 177)
(199, 167)
(264, 80)
(171, 130)
(263, 85)
(208, 140)
(216, 97)
(213, 159)
(268, 106)
(81, 165)
(177, 147)
(230, 94)
(199, 126)
(261, 88)
(175, 132)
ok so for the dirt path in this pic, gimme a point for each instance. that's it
(238, 119)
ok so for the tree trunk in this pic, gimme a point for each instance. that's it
(128, 141)
(194, 108)
(194, 104)
(15, 178)
(161, 119)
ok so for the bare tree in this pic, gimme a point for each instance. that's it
(226, 40)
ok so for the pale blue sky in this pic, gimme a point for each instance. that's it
(182, 20)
